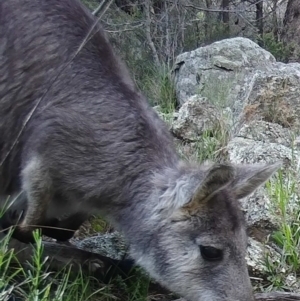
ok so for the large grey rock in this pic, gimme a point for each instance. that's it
(220, 66)
(243, 150)
(273, 96)
(238, 74)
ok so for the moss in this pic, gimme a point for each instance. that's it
(99, 225)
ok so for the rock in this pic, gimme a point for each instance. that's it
(238, 74)
(243, 150)
(195, 117)
(293, 282)
(228, 61)
(263, 131)
(256, 257)
(273, 96)
(110, 244)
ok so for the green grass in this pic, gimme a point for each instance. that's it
(285, 207)
(35, 282)
(159, 88)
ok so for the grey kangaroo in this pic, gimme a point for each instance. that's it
(93, 145)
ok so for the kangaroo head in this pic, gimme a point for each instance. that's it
(199, 241)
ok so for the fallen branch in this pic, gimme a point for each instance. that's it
(277, 296)
(60, 255)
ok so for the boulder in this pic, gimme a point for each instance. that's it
(223, 65)
(238, 74)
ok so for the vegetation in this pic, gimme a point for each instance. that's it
(36, 283)
(280, 51)
(285, 196)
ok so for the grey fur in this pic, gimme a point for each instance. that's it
(94, 145)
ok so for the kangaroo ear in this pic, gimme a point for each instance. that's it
(216, 178)
(249, 177)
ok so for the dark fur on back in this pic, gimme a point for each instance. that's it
(118, 115)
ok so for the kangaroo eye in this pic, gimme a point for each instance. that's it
(211, 253)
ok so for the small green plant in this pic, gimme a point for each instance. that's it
(99, 225)
(206, 147)
(138, 288)
(287, 237)
(275, 275)
(280, 51)
(209, 146)
(212, 144)
(36, 283)
(159, 88)
(285, 207)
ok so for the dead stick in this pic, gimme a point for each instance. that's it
(277, 296)
(60, 255)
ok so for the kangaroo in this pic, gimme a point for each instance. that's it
(93, 144)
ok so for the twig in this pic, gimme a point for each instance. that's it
(123, 30)
(217, 10)
(99, 8)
